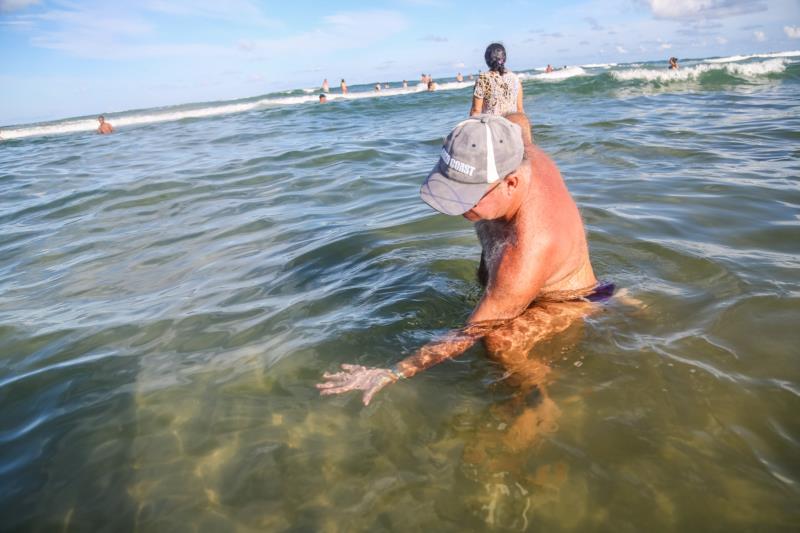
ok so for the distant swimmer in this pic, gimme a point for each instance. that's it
(405, 84)
(432, 85)
(534, 265)
(471, 77)
(105, 127)
(343, 85)
(323, 98)
(378, 87)
(673, 63)
(325, 87)
(549, 69)
(499, 91)
(385, 85)
(459, 77)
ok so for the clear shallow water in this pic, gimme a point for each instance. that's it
(170, 294)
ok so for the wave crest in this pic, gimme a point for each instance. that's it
(749, 70)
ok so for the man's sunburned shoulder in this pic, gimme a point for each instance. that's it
(540, 159)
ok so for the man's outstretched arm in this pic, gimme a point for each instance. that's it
(371, 380)
(517, 282)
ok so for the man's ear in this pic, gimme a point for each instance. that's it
(512, 181)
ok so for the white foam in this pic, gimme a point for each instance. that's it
(75, 126)
(599, 65)
(123, 120)
(733, 59)
(556, 75)
(749, 70)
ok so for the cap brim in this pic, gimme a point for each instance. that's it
(448, 196)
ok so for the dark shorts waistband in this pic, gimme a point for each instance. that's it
(602, 292)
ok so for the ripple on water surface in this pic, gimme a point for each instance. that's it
(170, 294)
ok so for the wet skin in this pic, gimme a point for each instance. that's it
(534, 250)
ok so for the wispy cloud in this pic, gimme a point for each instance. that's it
(434, 39)
(687, 9)
(593, 24)
(759, 36)
(702, 26)
(792, 32)
(243, 12)
(336, 33)
(111, 31)
(547, 35)
(7, 6)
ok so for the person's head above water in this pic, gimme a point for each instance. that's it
(323, 99)
(495, 57)
(477, 156)
(101, 119)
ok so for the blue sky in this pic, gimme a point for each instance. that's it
(62, 58)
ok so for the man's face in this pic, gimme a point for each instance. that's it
(492, 205)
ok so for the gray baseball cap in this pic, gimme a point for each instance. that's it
(478, 152)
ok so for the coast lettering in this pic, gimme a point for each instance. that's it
(455, 164)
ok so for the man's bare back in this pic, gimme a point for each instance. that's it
(549, 212)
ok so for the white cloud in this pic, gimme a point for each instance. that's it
(16, 5)
(759, 36)
(337, 33)
(665, 46)
(684, 9)
(722, 40)
(621, 50)
(244, 12)
(792, 32)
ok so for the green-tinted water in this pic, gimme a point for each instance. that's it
(170, 294)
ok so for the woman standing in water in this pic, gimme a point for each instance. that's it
(499, 91)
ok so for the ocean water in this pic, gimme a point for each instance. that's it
(170, 294)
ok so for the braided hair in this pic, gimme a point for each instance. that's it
(495, 57)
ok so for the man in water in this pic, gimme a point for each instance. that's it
(343, 86)
(673, 63)
(535, 259)
(459, 77)
(325, 87)
(104, 127)
(323, 98)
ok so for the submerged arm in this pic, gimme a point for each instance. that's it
(371, 380)
(511, 290)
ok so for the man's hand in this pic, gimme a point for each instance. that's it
(356, 377)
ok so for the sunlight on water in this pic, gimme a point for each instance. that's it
(170, 294)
